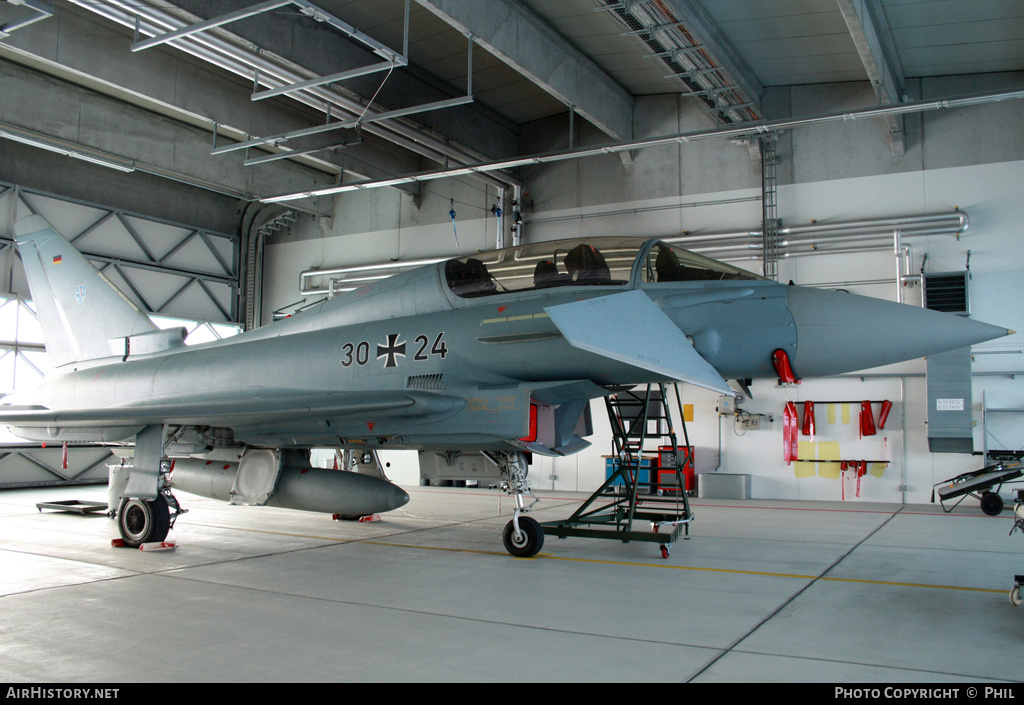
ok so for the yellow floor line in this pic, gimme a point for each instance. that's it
(795, 576)
(665, 566)
(917, 585)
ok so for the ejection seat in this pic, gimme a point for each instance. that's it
(586, 265)
(546, 274)
(469, 278)
(670, 269)
(667, 266)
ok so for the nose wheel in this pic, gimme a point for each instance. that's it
(527, 541)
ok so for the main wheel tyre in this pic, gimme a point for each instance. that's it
(530, 539)
(142, 521)
(991, 504)
(1015, 598)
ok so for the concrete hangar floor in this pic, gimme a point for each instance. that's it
(762, 591)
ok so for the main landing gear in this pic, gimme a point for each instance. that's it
(523, 536)
(149, 520)
(143, 521)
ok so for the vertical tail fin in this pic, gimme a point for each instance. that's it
(83, 316)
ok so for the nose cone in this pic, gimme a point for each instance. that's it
(397, 497)
(377, 495)
(839, 332)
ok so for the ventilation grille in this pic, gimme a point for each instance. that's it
(497, 387)
(430, 383)
(947, 292)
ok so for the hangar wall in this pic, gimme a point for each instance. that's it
(971, 158)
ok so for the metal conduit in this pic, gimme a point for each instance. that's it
(957, 221)
(754, 243)
(226, 55)
(818, 235)
(887, 224)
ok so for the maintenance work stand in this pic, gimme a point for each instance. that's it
(979, 484)
(646, 481)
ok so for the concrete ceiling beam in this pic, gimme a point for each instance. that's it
(869, 30)
(525, 42)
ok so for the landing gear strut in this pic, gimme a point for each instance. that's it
(523, 536)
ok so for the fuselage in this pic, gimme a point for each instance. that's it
(469, 349)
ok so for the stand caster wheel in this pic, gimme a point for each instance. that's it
(991, 504)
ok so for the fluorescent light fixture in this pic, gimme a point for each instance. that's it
(66, 150)
(15, 137)
(126, 167)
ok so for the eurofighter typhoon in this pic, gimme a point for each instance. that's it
(498, 352)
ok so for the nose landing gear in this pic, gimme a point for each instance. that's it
(523, 536)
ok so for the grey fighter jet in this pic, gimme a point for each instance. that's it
(498, 352)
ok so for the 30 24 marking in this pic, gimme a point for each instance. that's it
(392, 348)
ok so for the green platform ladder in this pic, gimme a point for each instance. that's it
(642, 429)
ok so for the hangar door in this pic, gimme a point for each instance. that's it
(179, 274)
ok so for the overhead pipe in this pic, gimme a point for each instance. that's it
(877, 228)
(817, 238)
(880, 229)
(744, 131)
(963, 223)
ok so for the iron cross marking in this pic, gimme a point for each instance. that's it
(391, 351)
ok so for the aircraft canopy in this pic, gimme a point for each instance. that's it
(583, 261)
